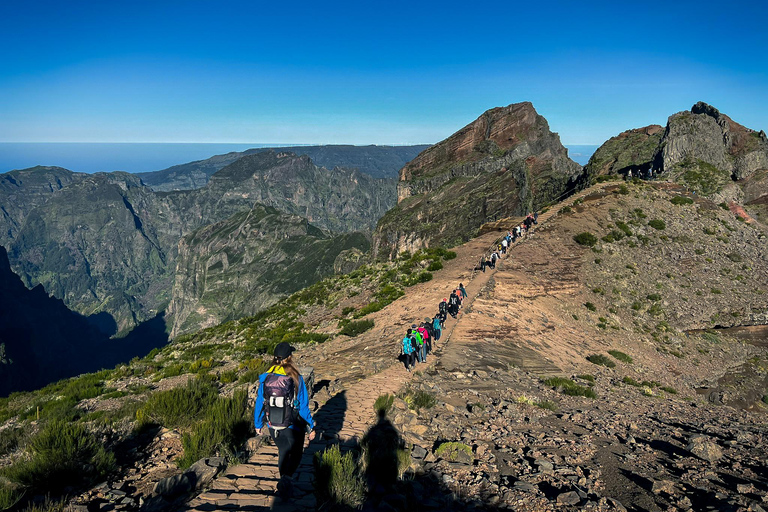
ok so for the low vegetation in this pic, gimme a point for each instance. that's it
(621, 356)
(418, 399)
(338, 479)
(568, 387)
(587, 239)
(451, 450)
(353, 329)
(601, 360)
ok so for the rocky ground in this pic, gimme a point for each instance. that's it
(677, 425)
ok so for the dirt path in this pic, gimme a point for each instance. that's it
(347, 415)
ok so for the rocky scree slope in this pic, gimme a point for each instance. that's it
(376, 161)
(248, 262)
(503, 164)
(675, 422)
(106, 243)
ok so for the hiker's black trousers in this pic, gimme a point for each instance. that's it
(290, 446)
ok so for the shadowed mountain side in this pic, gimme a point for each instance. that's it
(377, 161)
(42, 341)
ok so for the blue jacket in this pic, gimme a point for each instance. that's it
(259, 414)
(436, 324)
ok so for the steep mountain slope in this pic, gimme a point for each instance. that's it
(107, 243)
(505, 163)
(42, 341)
(337, 200)
(22, 191)
(247, 263)
(377, 161)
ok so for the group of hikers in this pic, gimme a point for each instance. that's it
(518, 232)
(282, 402)
(417, 342)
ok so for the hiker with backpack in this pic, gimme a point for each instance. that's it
(409, 351)
(437, 326)
(418, 342)
(442, 312)
(282, 406)
(453, 304)
(462, 291)
(425, 342)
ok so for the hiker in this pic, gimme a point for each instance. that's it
(416, 335)
(536, 217)
(453, 304)
(282, 406)
(437, 326)
(409, 351)
(494, 257)
(442, 312)
(463, 291)
(424, 336)
(504, 246)
(483, 263)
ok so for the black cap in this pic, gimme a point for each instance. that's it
(283, 350)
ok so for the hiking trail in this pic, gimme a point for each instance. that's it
(347, 415)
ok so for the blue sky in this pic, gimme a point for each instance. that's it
(368, 72)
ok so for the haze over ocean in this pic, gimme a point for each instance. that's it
(142, 156)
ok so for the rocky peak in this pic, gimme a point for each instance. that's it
(504, 163)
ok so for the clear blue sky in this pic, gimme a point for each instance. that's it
(368, 72)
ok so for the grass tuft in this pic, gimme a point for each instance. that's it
(601, 360)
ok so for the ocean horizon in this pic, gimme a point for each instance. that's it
(135, 157)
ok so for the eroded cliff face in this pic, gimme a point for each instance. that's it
(107, 243)
(248, 262)
(504, 163)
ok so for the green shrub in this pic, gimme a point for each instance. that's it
(653, 297)
(680, 200)
(590, 306)
(435, 265)
(9, 495)
(222, 432)
(451, 450)
(179, 407)
(657, 224)
(384, 403)
(418, 399)
(734, 257)
(353, 329)
(62, 454)
(587, 377)
(348, 310)
(601, 360)
(587, 239)
(228, 377)
(621, 356)
(12, 438)
(724, 206)
(670, 390)
(546, 404)
(631, 382)
(338, 480)
(569, 387)
(716, 291)
(449, 255)
(565, 209)
(655, 309)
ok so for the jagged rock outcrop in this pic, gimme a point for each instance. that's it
(631, 150)
(701, 148)
(504, 163)
(706, 135)
(247, 263)
(377, 161)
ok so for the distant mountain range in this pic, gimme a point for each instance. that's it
(377, 161)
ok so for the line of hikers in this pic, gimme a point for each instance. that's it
(417, 342)
(518, 232)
